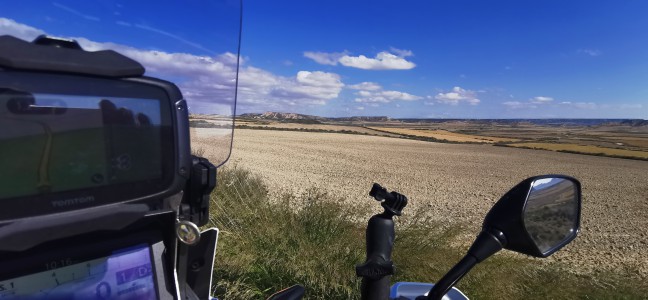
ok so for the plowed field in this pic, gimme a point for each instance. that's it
(458, 183)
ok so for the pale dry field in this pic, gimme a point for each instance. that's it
(583, 149)
(445, 135)
(458, 183)
(359, 129)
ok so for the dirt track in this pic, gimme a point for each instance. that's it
(459, 183)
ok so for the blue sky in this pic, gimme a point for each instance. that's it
(426, 59)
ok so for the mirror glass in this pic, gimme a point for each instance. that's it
(551, 212)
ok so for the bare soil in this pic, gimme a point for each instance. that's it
(457, 184)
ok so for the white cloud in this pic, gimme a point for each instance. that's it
(384, 60)
(537, 102)
(309, 87)
(531, 103)
(21, 31)
(324, 58)
(207, 82)
(365, 86)
(370, 92)
(456, 96)
(360, 107)
(364, 94)
(384, 96)
(321, 79)
(541, 100)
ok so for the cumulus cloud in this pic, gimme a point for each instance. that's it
(325, 58)
(382, 61)
(385, 60)
(538, 102)
(541, 100)
(458, 95)
(534, 102)
(308, 87)
(207, 82)
(370, 92)
(21, 31)
(384, 96)
(365, 86)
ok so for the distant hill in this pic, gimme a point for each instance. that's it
(363, 118)
(543, 122)
(283, 117)
(301, 118)
(635, 123)
(292, 117)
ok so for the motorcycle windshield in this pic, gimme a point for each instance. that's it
(194, 44)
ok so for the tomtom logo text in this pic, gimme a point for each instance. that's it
(73, 201)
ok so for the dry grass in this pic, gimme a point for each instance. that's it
(582, 149)
(445, 135)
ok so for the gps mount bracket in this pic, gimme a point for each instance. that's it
(202, 181)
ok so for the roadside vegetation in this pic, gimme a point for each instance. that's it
(268, 244)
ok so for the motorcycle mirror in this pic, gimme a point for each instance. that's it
(537, 217)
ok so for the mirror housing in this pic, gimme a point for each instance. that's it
(508, 217)
(537, 217)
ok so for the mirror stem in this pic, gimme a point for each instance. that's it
(452, 277)
(485, 245)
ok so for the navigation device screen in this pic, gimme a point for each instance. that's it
(52, 143)
(125, 274)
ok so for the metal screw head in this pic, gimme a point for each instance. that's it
(187, 232)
